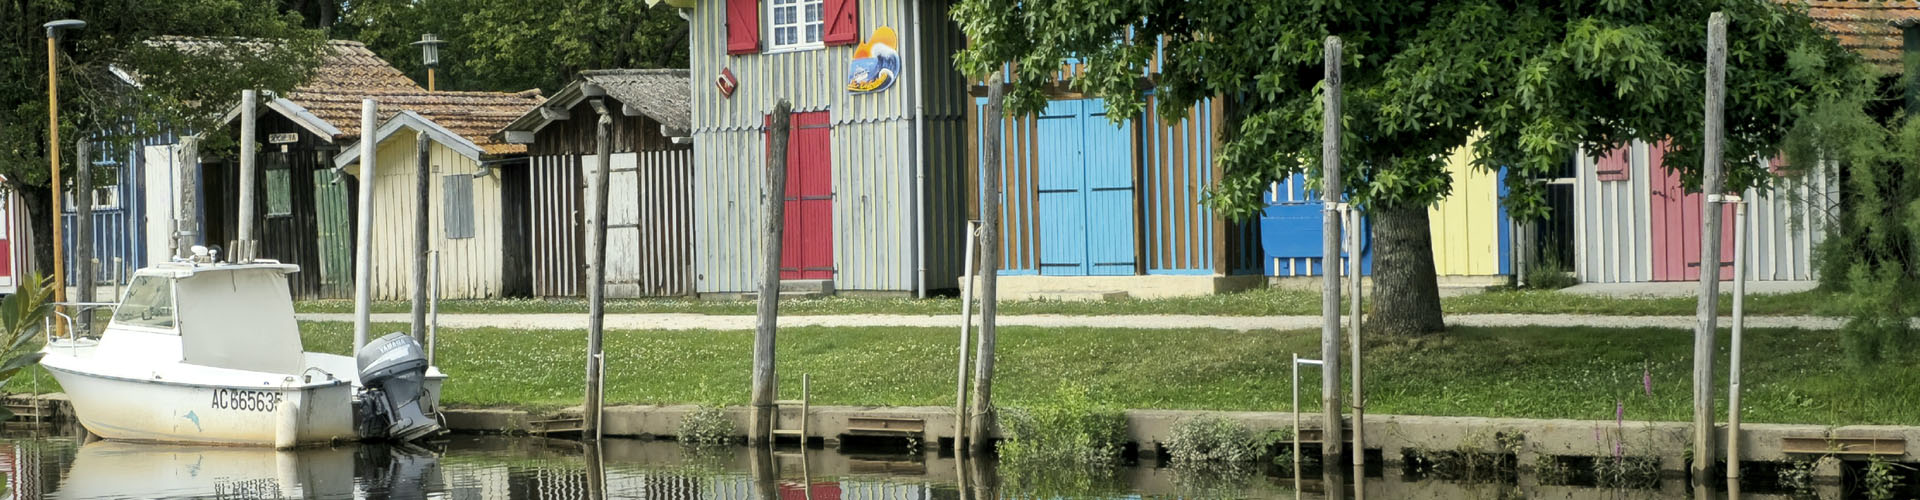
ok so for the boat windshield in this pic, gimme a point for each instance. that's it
(148, 303)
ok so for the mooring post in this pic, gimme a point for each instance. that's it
(1358, 452)
(422, 230)
(363, 237)
(242, 250)
(186, 221)
(83, 259)
(767, 317)
(1710, 186)
(1739, 326)
(982, 414)
(597, 269)
(966, 324)
(1330, 191)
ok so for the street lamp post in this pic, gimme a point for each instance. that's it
(430, 55)
(53, 151)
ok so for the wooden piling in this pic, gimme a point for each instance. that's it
(767, 314)
(1710, 186)
(1330, 190)
(982, 415)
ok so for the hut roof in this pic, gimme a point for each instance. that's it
(1870, 27)
(663, 95)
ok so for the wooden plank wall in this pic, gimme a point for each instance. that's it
(554, 188)
(650, 232)
(294, 238)
(1467, 226)
(471, 268)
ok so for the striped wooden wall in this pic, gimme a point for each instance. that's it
(649, 222)
(1644, 226)
(118, 230)
(557, 199)
(1469, 228)
(1178, 169)
(1291, 228)
(470, 267)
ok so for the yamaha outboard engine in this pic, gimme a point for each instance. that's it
(393, 374)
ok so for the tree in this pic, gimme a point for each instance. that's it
(512, 45)
(1537, 78)
(183, 90)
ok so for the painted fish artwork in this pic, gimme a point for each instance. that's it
(876, 63)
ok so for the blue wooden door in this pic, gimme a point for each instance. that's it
(1085, 191)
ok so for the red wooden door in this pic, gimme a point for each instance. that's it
(807, 251)
(1676, 225)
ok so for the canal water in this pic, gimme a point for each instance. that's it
(56, 464)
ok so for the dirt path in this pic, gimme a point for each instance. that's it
(1154, 322)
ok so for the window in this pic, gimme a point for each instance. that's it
(796, 24)
(458, 196)
(279, 192)
(106, 195)
(148, 303)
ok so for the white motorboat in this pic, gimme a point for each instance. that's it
(207, 352)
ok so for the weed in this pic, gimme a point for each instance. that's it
(1212, 438)
(1551, 470)
(1880, 479)
(1069, 429)
(706, 426)
(1798, 475)
(1626, 472)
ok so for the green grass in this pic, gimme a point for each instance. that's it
(1264, 302)
(1792, 376)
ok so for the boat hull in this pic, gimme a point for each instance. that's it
(164, 411)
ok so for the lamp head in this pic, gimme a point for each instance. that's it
(430, 50)
(55, 27)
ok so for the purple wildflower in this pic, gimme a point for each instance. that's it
(1646, 380)
(1619, 413)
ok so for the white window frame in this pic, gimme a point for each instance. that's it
(799, 25)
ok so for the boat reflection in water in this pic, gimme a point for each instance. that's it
(115, 469)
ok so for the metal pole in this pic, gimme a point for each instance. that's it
(363, 239)
(83, 260)
(597, 266)
(767, 313)
(966, 326)
(1293, 385)
(433, 309)
(1330, 191)
(422, 232)
(1739, 324)
(249, 149)
(1710, 185)
(1353, 332)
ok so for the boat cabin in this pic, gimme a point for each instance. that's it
(233, 316)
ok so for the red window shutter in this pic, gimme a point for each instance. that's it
(743, 26)
(842, 22)
(1615, 166)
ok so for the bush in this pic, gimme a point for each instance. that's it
(1212, 438)
(1070, 429)
(707, 426)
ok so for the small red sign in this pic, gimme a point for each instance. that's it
(726, 82)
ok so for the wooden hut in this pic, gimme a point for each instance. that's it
(1471, 233)
(875, 195)
(650, 192)
(477, 210)
(1093, 209)
(1635, 222)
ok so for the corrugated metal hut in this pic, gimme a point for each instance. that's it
(477, 212)
(1635, 222)
(650, 194)
(875, 194)
(1471, 233)
(1091, 207)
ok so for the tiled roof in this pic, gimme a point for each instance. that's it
(474, 115)
(349, 72)
(1869, 27)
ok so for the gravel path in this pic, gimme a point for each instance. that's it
(1157, 322)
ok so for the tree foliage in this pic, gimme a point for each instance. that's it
(513, 45)
(1537, 78)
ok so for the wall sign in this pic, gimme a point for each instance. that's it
(726, 82)
(876, 63)
(287, 138)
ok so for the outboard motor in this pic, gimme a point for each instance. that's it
(393, 373)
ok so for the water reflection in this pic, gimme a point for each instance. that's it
(470, 467)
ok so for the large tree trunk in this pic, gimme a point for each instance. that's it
(39, 216)
(1406, 295)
